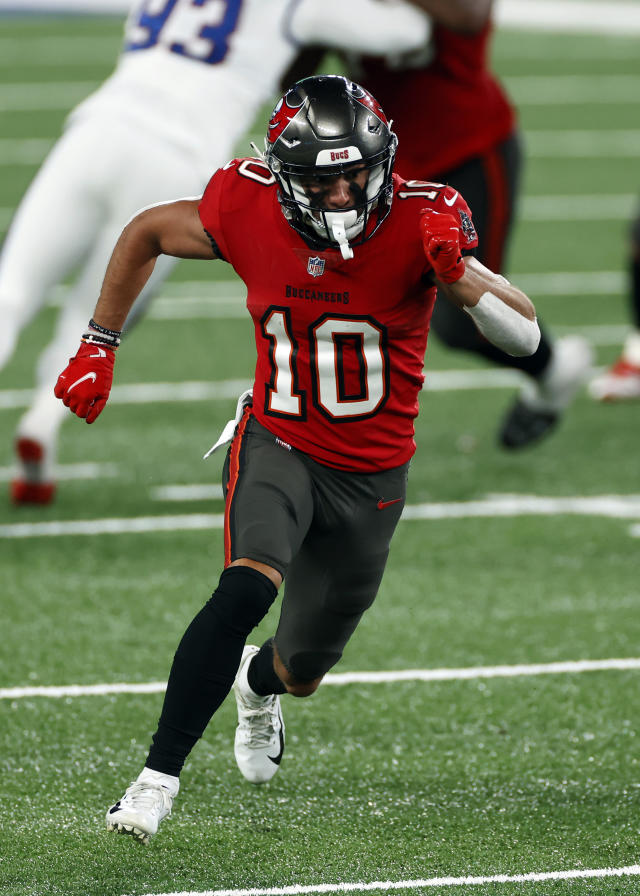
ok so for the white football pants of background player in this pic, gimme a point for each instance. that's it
(83, 180)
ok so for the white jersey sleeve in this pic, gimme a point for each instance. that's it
(362, 26)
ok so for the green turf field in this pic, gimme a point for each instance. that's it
(450, 780)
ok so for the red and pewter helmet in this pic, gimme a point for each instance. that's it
(325, 126)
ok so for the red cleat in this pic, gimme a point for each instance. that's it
(619, 383)
(30, 487)
(23, 492)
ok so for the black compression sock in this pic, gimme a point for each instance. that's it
(261, 674)
(206, 662)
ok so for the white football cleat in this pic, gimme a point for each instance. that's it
(145, 803)
(259, 742)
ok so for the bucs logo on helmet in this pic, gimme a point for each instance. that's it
(285, 111)
(366, 99)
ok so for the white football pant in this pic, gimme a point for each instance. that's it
(96, 177)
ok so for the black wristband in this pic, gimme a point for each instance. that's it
(102, 335)
(115, 334)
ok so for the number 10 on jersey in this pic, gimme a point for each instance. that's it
(348, 361)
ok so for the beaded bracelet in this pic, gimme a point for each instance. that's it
(99, 335)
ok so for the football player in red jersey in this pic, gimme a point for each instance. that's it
(341, 258)
(456, 125)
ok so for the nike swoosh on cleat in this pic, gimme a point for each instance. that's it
(276, 759)
(382, 504)
(451, 201)
(114, 808)
(88, 376)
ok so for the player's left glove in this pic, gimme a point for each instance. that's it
(85, 383)
(441, 242)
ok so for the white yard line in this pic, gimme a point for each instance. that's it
(186, 493)
(604, 207)
(341, 679)
(526, 90)
(585, 144)
(162, 393)
(424, 883)
(538, 144)
(70, 471)
(58, 50)
(39, 96)
(589, 90)
(24, 151)
(621, 507)
(572, 16)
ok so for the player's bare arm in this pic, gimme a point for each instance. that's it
(172, 228)
(501, 312)
(477, 280)
(460, 15)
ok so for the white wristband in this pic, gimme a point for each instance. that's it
(505, 327)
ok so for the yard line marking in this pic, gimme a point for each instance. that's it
(556, 283)
(570, 15)
(186, 492)
(634, 531)
(144, 393)
(542, 90)
(115, 526)
(533, 209)
(340, 679)
(596, 334)
(582, 144)
(40, 96)
(613, 506)
(526, 90)
(385, 886)
(202, 300)
(70, 471)
(27, 151)
(200, 295)
(162, 393)
(538, 144)
(610, 506)
(595, 207)
(58, 50)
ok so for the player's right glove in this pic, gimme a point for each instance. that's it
(441, 242)
(85, 383)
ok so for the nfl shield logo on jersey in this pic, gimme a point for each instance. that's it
(315, 266)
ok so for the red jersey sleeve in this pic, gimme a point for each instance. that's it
(449, 201)
(210, 207)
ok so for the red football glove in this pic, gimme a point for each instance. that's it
(441, 242)
(85, 383)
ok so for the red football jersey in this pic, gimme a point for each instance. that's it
(446, 112)
(340, 343)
